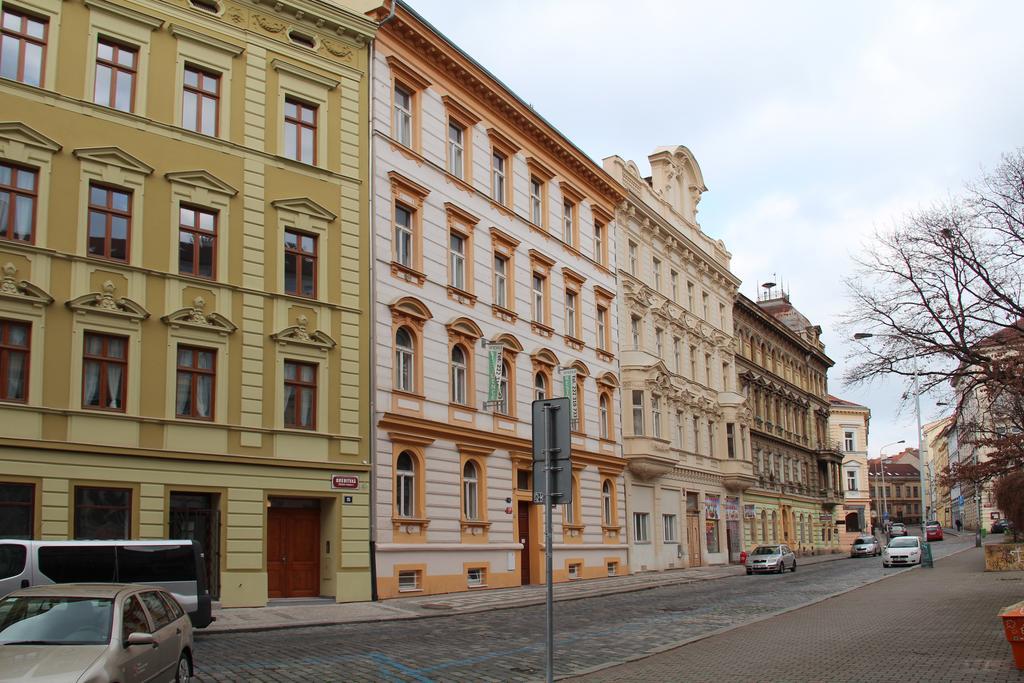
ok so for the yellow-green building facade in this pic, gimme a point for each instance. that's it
(183, 306)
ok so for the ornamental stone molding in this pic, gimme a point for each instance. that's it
(299, 334)
(193, 317)
(105, 303)
(22, 291)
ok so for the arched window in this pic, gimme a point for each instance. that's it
(470, 491)
(503, 388)
(604, 416)
(606, 503)
(540, 386)
(775, 526)
(800, 527)
(405, 485)
(764, 526)
(458, 375)
(405, 357)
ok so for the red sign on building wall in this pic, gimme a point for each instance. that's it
(344, 481)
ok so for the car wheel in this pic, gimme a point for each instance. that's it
(885, 565)
(184, 671)
(793, 568)
(749, 572)
(781, 568)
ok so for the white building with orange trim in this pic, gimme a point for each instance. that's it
(489, 226)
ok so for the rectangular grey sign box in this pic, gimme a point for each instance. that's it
(558, 413)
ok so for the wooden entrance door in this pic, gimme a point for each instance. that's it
(693, 533)
(293, 552)
(524, 538)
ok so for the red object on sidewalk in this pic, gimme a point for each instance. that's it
(743, 557)
(1013, 625)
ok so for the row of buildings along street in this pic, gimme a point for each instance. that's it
(285, 279)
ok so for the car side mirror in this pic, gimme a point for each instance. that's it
(141, 639)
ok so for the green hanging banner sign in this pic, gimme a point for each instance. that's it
(569, 391)
(494, 352)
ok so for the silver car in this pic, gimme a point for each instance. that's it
(92, 633)
(771, 558)
(865, 546)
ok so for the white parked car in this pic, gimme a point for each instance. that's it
(902, 552)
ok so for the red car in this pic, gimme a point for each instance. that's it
(933, 531)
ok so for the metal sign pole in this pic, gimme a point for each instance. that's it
(549, 630)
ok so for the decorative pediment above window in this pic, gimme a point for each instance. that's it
(660, 383)
(16, 131)
(202, 179)
(299, 334)
(463, 330)
(112, 156)
(637, 294)
(105, 303)
(305, 206)
(194, 318)
(544, 357)
(22, 291)
(408, 310)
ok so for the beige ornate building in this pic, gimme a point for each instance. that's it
(848, 426)
(489, 227)
(685, 432)
(183, 310)
(783, 374)
(941, 507)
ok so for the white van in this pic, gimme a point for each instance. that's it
(175, 566)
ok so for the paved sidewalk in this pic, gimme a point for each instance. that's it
(300, 613)
(933, 625)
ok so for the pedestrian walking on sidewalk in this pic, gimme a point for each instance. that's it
(959, 525)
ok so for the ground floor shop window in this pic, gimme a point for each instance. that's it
(102, 514)
(711, 531)
(16, 508)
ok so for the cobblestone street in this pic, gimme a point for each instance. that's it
(507, 645)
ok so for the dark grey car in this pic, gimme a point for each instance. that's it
(771, 558)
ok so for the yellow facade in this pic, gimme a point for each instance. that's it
(101, 400)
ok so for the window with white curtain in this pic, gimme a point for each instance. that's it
(470, 491)
(196, 378)
(405, 485)
(459, 375)
(405, 356)
(105, 363)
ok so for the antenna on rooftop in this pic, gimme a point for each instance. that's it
(767, 287)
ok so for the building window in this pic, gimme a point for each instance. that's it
(689, 296)
(680, 430)
(695, 433)
(201, 101)
(602, 327)
(18, 192)
(105, 364)
(102, 514)
(607, 504)
(656, 267)
(704, 301)
(476, 577)
(851, 480)
(115, 75)
(300, 260)
(571, 311)
(677, 355)
(540, 386)
(300, 131)
(671, 529)
(22, 47)
(110, 218)
(613, 568)
(634, 331)
(599, 242)
(659, 342)
(656, 415)
(197, 370)
(721, 316)
(632, 258)
(693, 363)
(15, 344)
(638, 412)
(674, 283)
(503, 387)
(641, 527)
(405, 354)
(538, 297)
(470, 491)
(459, 375)
(456, 149)
(498, 177)
(403, 116)
(536, 200)
(17, 508)
(604, 415)
(300, 395)
(574, 571)
(711, 438)
(405, 485)
(409, 580)
(501, 281)
(403, 235)
(730, 439)
(457, 260)
(848, 441)
(197, 240)
(568, 223)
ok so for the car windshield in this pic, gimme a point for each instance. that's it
(903, 543)
(932, 524)
(864, 541)
(54, 620)
(766, 550)
(897, 526)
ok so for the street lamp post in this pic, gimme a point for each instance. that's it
(921, 446)
(881, 468)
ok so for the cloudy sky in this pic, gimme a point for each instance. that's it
(814, 123)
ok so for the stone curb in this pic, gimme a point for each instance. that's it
(727, 629)
(511, 604)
